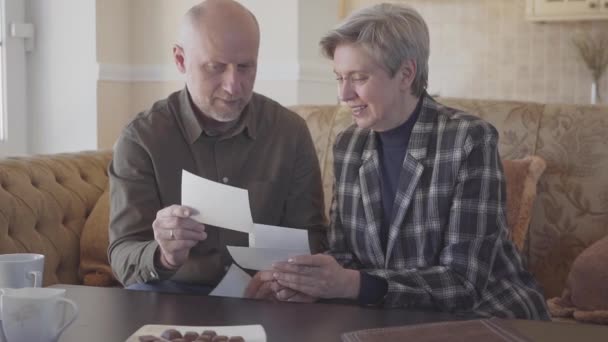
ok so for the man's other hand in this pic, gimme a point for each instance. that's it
(176, 233)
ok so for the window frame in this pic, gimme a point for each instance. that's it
(13, 137)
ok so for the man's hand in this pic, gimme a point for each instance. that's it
(286, 294)
(259, 286)
(318, 276)
(176, 233)
(264, 286)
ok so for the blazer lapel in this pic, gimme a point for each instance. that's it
(369, 181)
(411, 171)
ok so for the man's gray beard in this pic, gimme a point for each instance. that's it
(226, 117)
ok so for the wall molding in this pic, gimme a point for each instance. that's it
(270, 71)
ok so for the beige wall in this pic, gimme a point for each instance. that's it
(479, 49)
(113, 111)
(119, 102)
(153, 29)
(485, 49)
(113, 27)
(135, 39)
(133, 33)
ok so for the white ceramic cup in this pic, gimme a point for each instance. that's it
(21, 270)
(35, 314)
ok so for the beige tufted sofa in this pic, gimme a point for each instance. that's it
(45, 200)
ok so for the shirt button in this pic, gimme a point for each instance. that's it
(225, 179)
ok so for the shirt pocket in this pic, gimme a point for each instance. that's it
(267, 201)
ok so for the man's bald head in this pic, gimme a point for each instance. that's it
(218, 52)
(217, 15)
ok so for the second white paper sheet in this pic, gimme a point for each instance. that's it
(233, 284)
(265, 236)
(217, 204)
(261, 258)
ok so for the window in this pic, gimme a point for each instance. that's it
(13, 112)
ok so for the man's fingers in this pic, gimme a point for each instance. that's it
(264, 291)
(301, 298)
(265, 275)
(176, 234)
(175, 210)
(284, 293)
(276, 287)
(252, 287)
(260, 289)
(178, 222)
(299, 287)
(185, 234)
(289, 295)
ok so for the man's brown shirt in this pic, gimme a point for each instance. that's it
(269, 152)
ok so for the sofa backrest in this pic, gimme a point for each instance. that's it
(573, 195)
(571, 209)
(44, 202)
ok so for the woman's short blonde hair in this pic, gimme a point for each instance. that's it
(391, 33)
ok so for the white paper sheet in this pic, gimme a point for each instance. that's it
(217, 204)
(261, 258)
(265, 236)
(251, 333)
(233, 284)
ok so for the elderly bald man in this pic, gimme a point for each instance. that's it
(218, 128)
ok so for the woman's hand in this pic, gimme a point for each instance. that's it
(264, 286)
(318, 276)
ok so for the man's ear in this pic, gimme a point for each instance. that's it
(407, 73)
(179, 58)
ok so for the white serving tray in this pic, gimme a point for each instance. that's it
(251, 333)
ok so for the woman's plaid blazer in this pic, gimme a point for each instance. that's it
(448, 246)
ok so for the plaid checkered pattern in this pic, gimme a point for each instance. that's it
(448, 246)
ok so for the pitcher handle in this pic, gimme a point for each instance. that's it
(37, 275)
(2, 292)
(71, 319)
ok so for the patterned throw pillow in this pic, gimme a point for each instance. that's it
(585, 297)
(521, 178)
(94, 265)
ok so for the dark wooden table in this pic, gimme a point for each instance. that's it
(112, 314)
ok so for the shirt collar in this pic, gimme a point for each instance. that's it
(194, 128)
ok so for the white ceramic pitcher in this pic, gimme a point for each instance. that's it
(21, 270)
(35, 314)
